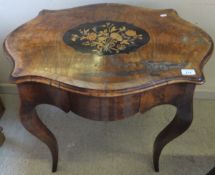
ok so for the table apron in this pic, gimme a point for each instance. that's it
(101, 108)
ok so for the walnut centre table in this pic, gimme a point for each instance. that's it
(107, 62)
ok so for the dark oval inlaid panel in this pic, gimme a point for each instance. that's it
(106, 37)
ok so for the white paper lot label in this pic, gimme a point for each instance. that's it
(163, 15)
(188, 72)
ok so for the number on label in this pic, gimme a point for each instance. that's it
(188, 72)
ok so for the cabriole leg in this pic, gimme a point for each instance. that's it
(34, 125)
(179, 124)
(2, 137)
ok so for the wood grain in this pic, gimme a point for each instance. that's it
(40, 54)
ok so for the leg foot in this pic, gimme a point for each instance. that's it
(2, 137)
(212, 172)
(1, 108)
(34, 125)
(179, 125)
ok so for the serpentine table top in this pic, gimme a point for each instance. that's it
(101, 52)
(108, 62)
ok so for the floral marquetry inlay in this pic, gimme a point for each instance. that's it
(108, 50)
(106, 38)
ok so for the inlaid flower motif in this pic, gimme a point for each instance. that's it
(74, 37)
(116, 36)
(91, 36)
(108, 37)
(131, 33)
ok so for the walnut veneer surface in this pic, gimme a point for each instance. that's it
(108, 62)
(40, 53)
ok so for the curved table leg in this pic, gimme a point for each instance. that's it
(34, 125)
(33, 94)
(179, 124)
(2, 137)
